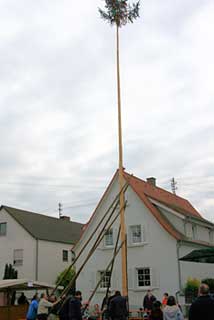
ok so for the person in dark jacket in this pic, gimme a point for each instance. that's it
(148, 301)
(118, 309)
(62, 307)
(22, 299)
(74, 307)
(105, 306)
(203, 307)
(156, 313)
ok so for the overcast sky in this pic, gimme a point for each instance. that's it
(58, 123)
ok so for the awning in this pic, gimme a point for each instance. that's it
(203, 256)
(24, 284)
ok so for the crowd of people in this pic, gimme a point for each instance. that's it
(168, 309)
(115, 307)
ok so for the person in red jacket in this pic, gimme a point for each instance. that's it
(165, 299)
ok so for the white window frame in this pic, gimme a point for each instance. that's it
(18, 257)
(2, 234)
(107, 243)
(211, 236)
(150, 276)
(104, 283)
(63, 251)
(131, 230)
(194, 231)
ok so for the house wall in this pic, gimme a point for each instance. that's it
(50, 262)
(17, 238)
(158, 252)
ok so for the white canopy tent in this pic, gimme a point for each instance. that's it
(24, 284)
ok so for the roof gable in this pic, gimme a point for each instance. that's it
(46, 228)
(147, 192)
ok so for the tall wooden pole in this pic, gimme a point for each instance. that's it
(121, 179)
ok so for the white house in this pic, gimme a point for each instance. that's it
(38, 246)
(161, 228)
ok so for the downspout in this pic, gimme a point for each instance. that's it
(178, 245)
(37, 260)
(73, 258)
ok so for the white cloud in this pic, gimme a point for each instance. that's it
(58, 101)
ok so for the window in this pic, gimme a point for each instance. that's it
(64, 255)
(72, 256)
(3, 229)
(106, 279)
(108, 239)
(211, 235)
(136, 235)
(144, 277)
(18, 257)
(194, 231)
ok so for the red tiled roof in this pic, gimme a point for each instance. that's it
(169, 199)
(145, 191)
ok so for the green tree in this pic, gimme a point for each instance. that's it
(65, 277)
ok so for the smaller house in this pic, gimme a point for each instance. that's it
(38, 246)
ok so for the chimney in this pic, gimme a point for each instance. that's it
(152, 181)
(65, 218)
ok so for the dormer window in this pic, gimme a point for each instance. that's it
(194, 231)
(211, 235)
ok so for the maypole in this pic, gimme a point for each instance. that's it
(119, 13)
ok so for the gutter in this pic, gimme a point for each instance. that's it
(178, 245)
(37, 260)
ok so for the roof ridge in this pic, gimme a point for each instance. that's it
(171, 194)
(38, 214)
(46, 228)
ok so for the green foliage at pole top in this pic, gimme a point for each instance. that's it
(120, 12)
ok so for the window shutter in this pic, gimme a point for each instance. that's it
(93, 280)
(155, 278)
(18, 257)
(145, 233)
(115, 232)
(115, 280)
(131, 278)
(129, 236)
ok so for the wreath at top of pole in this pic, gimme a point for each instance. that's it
(120, 12)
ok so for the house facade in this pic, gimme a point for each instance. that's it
(38, 246)
(161, 228)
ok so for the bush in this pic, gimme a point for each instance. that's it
(10, 272)
(191, 289)
(210, 283)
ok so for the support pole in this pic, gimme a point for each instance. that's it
(121, 179)
(111, 208)
(96, 244)
(110, 266)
